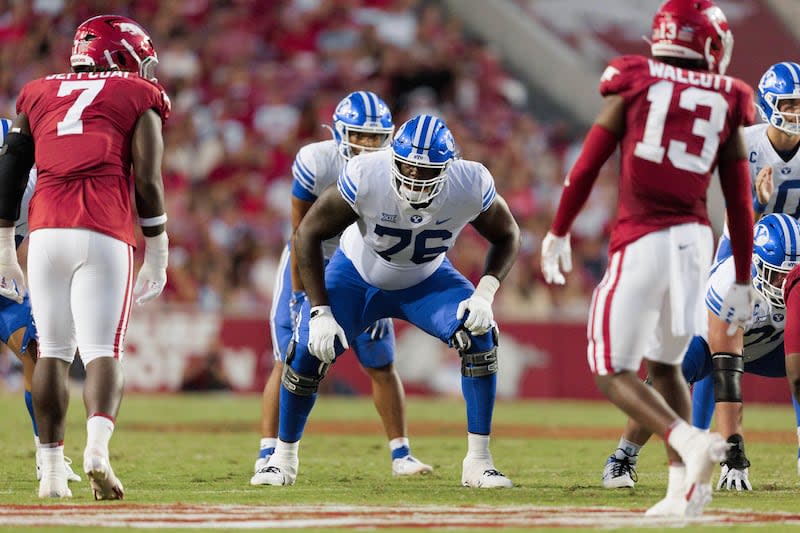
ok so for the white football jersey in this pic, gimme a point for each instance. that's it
(765, 333)
(785, 174)
(393, 245)
(316, 167)
(21, 229)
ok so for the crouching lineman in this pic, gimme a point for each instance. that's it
(409, 205)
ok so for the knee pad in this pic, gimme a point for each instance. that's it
(475, 364)
(295, 382)
(727, 371)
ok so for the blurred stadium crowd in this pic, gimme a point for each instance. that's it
(251, 81)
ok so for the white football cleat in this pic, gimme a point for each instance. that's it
(261, 462)
(671, 506)
(54, 482)
(409, 466)
(481, 474)
(71, 475)
(105, 485)
(705, 451)
(619, 473)
(276, 474)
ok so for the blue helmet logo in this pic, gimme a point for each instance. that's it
(776, 250)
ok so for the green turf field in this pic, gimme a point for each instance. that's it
(200, 449)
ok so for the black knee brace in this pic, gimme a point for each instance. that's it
(728, 370)
(295, 382)
(477, 364)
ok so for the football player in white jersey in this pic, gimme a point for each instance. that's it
(402, 210)
(775, 173)
(17, 329)
(362, 123)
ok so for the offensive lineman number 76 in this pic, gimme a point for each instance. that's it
(72, 123)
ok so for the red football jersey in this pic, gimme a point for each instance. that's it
(82, 126)
(676, 120)
(791, 295)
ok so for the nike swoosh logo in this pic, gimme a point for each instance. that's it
(683, 246)
(442, 221)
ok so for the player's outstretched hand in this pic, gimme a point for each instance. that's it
(323, 330)
(12, 280)
(480, 317)
(379, 329)
(733, 479)
(556, 250)
(737, 306)
(152, 276)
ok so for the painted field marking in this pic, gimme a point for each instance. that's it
(350, 516)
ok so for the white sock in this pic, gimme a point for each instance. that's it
(478, 446)
(676, 481)
(267, 442)
(628, 449)
(52, 457)
(399, 442)
(98, 433)
(286, 452)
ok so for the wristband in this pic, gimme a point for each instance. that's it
(153, 221)
(487, 286)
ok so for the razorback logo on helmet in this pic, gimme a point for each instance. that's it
(135, 29)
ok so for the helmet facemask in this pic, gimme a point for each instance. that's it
(425, 182)
(769, 279)
(349, 148)
(786, 121)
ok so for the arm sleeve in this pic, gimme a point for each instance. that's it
(597, 148)
(735, 181)
(488, 191)
(348, 183)
(719, 281)
(304, 177)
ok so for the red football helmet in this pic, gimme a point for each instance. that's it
(693, 29)
(110, 42)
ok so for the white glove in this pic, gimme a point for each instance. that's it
(737, 306)
(323, 330)
(555, 249)
(152, 276)
(733, 479)
(12, 280)
(379, 329)
(479, 305)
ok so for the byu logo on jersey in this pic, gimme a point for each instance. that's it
(786, 170)
(416, 219)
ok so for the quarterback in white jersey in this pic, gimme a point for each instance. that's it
(406, 208)
(362, 123)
